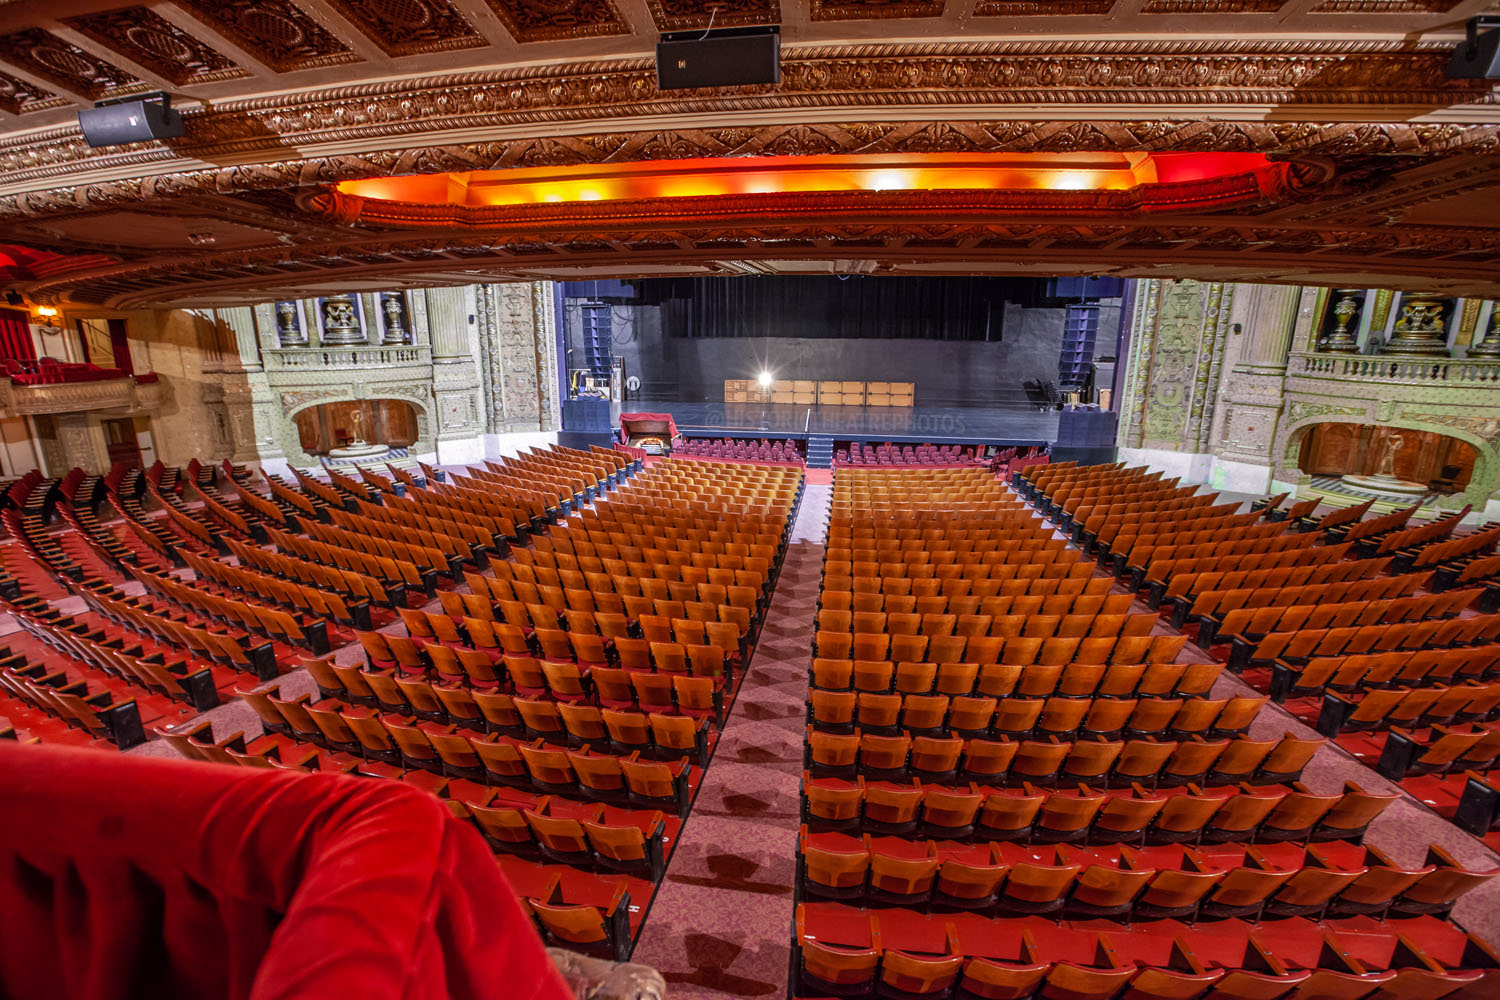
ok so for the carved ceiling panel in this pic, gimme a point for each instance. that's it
(150, 40)
(679, 15)
(277, 32)
(408, 27)
(552, 20)
(847, 10)
(1024, 8)
(1384, 6)
(65, 64)
(18, 96)
(1213, 6)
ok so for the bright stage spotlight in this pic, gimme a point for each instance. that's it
(765, 380)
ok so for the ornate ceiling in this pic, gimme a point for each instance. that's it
(1396, 169)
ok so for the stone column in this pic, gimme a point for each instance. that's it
(518, 333)
(245, 391)
(1252, 390)
(456, 381)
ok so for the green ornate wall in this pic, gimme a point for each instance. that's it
(1223, 384)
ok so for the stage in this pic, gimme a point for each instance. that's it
(896, 424)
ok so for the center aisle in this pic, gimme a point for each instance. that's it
(719, 924)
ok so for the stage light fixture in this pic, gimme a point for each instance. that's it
(1477, 57)
(766, 379)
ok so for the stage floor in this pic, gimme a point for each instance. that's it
(937, 424)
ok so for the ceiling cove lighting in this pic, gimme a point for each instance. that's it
(772, 175)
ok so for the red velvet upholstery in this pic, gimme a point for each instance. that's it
(126, 876)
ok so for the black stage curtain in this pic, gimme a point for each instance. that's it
(925, 308)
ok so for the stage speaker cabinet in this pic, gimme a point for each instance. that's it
(728, 57)
(1477, 57)
(132, 119)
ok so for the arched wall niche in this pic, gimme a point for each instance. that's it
(323, 427)
(1312, 446)
(294, 404)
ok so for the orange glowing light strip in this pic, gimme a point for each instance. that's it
(752, 175)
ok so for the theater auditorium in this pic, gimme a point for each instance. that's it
(786, 499)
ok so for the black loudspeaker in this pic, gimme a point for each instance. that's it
(730, 57)
(134, 119)
(1477, 57)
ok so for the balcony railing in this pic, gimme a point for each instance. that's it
(1407, 371)
(359, 356)
(125, 394)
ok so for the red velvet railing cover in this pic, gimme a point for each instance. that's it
(125, 876)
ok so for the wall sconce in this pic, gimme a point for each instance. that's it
(47, 316)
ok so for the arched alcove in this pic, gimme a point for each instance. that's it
(1443, 462)
(327, 427)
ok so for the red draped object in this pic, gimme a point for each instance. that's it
(124, 876)
(15, 336)
(634, 425)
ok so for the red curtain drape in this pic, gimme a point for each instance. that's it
(15, 336)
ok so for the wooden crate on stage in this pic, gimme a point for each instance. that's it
(852, 393)
(829, 393)
(780, 395)
(743, 390)
(903, 393)
(804, 392)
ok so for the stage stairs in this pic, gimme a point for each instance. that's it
(819, 451)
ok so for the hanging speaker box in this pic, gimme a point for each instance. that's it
(136, 119)
(729, 57)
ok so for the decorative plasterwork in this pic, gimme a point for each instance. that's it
(276, 31)
(1006, 136)
(1025, 8)
(1384, 6)
(551, 20)
(18, 96)
(150, 40)
(847, 10)
(65, 64)
(678, 15)
(409, 27)
(1212, 6)
(882, 80)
